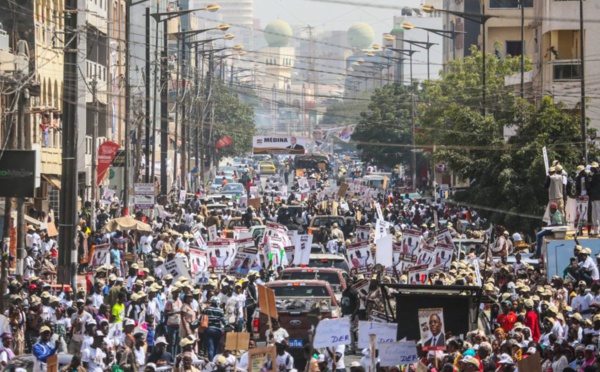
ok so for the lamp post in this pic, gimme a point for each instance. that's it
(421, 44)
(473, 17)
(164, 96)
(181, 36)
(448, 34)
(409, 53)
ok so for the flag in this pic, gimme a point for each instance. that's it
(224, 142)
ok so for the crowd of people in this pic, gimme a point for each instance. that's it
(126, 312)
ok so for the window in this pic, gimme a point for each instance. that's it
(514, 48)
(496, 4)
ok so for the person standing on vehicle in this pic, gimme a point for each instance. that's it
(279, 333)
(251, 294)
(350, 304)
(556, 189)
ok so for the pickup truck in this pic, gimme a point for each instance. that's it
(337, 278)
(297, 302)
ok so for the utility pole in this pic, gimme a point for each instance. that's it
(127, 170)
(94, 86)
(147, 107)
(583, 108)
(175, 143)
(21, 252)
(164, 113)
(183, 130)
(67, 254)
(10, 134)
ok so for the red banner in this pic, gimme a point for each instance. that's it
(106, 153)
(224, 142)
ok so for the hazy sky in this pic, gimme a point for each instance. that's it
(330, 16)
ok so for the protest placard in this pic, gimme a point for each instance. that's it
(263, 359)
(385, 332)
(100, 256)
(212, 233)
(175, 267)
(266, 301)
(246, 257)
(302, 246)
(332, 332)
(360, 257)
(219, 256)
(384, 253)
(237, 340)
(198, 262)
(362, 232)
(411, 239)
(397, 353)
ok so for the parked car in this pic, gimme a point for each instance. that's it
(234, 189)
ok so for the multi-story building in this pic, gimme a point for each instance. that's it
(36, 29)
(557, 62)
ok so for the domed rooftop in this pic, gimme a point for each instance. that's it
(278, 33)
(360, 35)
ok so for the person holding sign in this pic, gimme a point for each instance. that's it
(43, 349)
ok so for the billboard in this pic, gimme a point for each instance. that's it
(17, 173)
(290, 145)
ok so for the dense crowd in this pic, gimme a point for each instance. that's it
(129, 313)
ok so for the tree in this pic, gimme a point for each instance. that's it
(384, 130)
(345, 112)
(234, 119)
(506, 176)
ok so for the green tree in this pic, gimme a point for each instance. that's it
(234, 119)
(506, 175)
(346, 112)
(383, 133)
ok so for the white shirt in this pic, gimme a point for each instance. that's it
(29, 271)
(589, 264)
(97, 300)
(582, 303)
(339, 361)
(146, 242)
(286, 361)
(140, 357)
(94, 358)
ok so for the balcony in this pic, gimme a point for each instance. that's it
(566, 70)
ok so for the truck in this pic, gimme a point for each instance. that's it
(299, 303)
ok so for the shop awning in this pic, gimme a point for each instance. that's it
(53, 180)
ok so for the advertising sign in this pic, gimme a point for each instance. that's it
(278, 145)
(17, 173)
(144, 195)
(106, 154)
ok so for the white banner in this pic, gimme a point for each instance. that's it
(302, 246)
(278, 145)
(175, 267)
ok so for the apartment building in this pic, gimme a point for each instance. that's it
(558, 59)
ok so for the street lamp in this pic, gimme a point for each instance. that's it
(181, 37)
(164, 96)
(473, 17)
(449, 34)
(421, 44)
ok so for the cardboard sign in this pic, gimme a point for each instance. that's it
(362, 232)
(266, 301)
(402, 353)
(51, 228)
(52, 363)
(237, 341)
(531, 363)
(262, 359)
(332, 332)
(360, 257)
(322, 166)
(342, 190)
(385, 332)
(254, 203)
(303, 185)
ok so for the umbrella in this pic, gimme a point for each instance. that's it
(126, 223)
